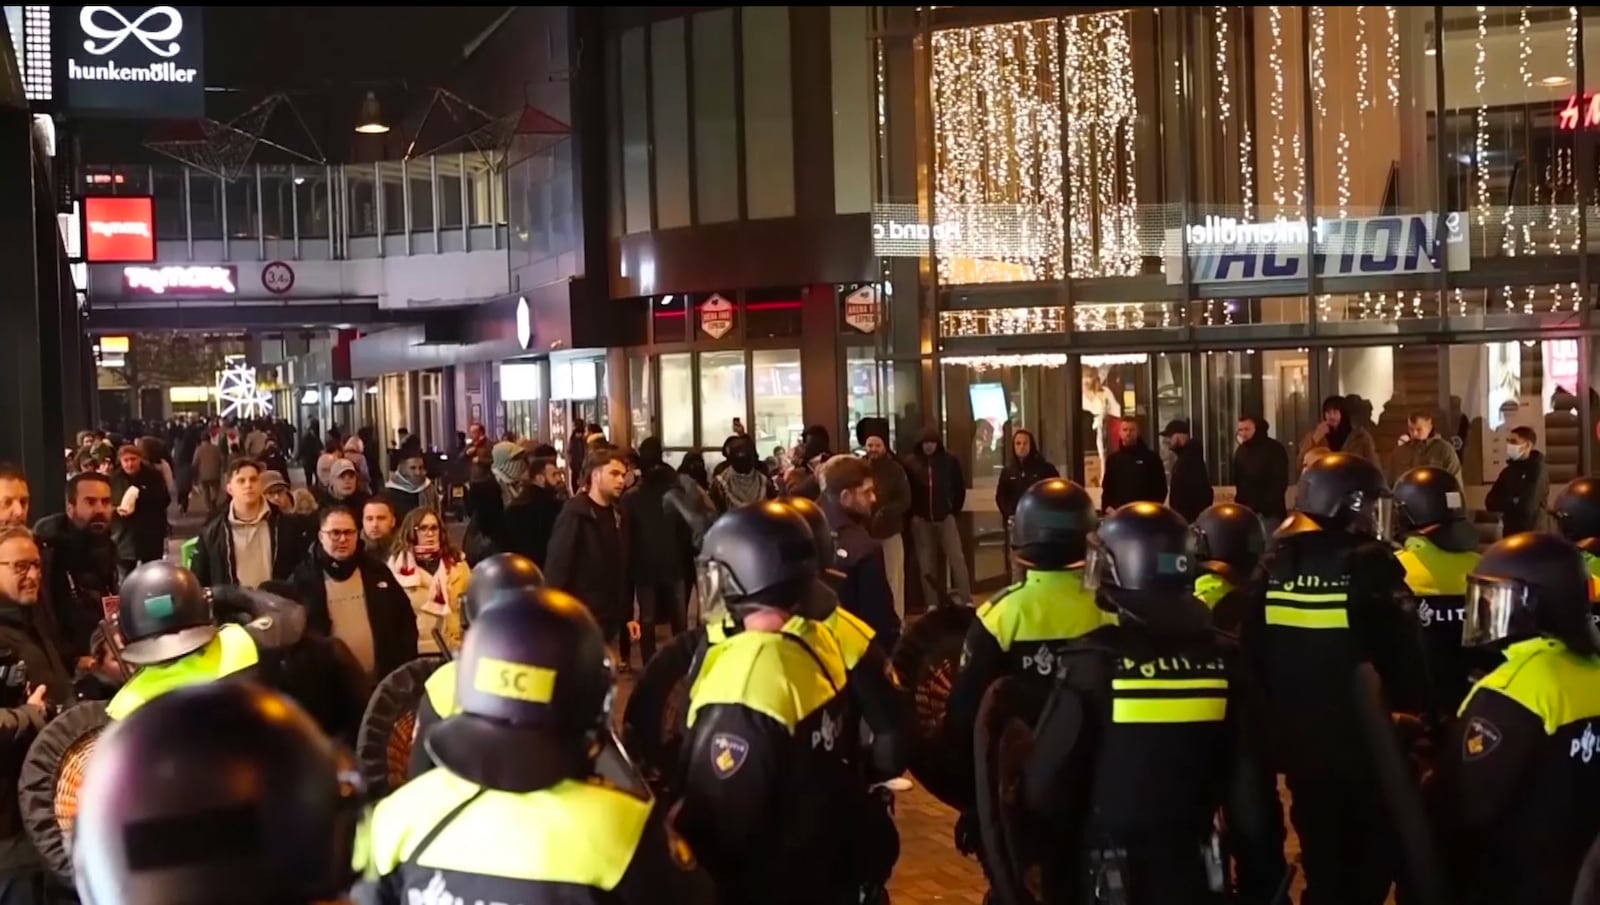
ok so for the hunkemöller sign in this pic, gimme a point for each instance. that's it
(1225, 250)
(131, 60)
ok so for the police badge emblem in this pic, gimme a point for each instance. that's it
(728, 753)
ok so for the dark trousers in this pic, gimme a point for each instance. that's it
(655, 601)
(1347, 845)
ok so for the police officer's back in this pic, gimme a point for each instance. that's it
(1524, 782)
(1229, 541)
(1439, 549)
(767, 783)
(1577, 515)
(1161, 731)
(224, 792)
(166, 622)
(513, 814)
(1024, 629)
(491, 580)
(1333, 602)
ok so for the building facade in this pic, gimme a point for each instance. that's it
(1200, 213)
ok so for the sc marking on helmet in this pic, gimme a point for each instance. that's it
(518, 681)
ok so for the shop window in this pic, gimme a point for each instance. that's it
(1274, 386)
(363, 200)
(864, 389)
(779, 416)
(669, 319)
(485, 192)
(677, 401)
(311, 201)
(854, 100)
(169, 203)
(716, 127)
(635, 132)
(205, 205)
(641, 399)
(1495, 387)
(768, 113)
(773, 313)
(669, 92)
(722, 396)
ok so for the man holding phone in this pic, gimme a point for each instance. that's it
(37, 683)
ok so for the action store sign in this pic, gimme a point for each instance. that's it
(119, 230)
(131, 60)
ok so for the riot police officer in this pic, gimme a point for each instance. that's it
(1160, 730)
(1439, 549)
(1023, 630)
(1577, 512)
(225, 792)
(1524, 785)
(1333, 602)
(1229, 541)
(169, 635)
(491, 579)
(764, 754)
(513, 814)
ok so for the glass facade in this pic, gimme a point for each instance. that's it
(1202, 213)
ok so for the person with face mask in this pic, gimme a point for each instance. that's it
(80, 560)
(741, 483)
(1521, 489)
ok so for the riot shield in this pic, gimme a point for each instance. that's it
(389, 726)
(52, 773)
(926, 661)
(1003, 745)
(1401, 794)
(656, 716)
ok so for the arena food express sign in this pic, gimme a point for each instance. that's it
(1225, 250)
(130, 60)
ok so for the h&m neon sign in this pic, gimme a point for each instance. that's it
(1580, 109)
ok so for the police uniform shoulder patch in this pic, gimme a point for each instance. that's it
(1480, 740)
(728, 753)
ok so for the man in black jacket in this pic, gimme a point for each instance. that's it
(139, 491)
(659, 539)
(29, 643)
(249, 542)
(588, 555)
(1134, 473)
(847, 500)
(938, 494)
(80, 561)
(1190, 483)
(1261, 472)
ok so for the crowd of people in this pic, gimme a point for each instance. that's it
(1429, 708)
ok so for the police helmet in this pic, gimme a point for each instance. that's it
(1141, 547)
(500, 572)
(534, 687)
(1530, 585)
(1051, 526)
(1342, 489)
(1229, 541)
(821, 531)
(1427, 497)
(1577, 511)
(163, 614)
(759, 555)
(225, 792)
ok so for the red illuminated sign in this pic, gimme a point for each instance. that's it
(1580, 108)
(119, 230)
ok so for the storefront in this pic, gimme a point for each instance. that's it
(1382, 203)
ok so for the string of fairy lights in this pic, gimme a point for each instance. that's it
(1042, 115)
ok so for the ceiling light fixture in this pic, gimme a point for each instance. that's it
(1555, 81)
(370, 122)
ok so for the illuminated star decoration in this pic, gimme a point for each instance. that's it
(236, 390)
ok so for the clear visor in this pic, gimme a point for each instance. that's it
(712, 582)
(1384, 519)
(1492, 611)
(1098, 569)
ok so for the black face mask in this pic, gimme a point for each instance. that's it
(741, 460)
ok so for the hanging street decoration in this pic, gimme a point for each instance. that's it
(238, 394)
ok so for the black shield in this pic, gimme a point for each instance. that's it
(1401, 793)
(389, 726)
(1003, 745)
(52, 773)
(656, 717)
(926, 661)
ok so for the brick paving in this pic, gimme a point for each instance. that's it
(930, 869)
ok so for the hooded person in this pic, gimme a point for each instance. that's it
(1338, 431)
(742, 483)
(408, 486)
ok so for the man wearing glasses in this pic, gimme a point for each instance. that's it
(33, 682)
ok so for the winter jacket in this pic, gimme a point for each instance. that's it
(590, 563)
(1017, 477)
(292, 536)
(1191, 492)
(394, 626)
(141, 536)
(80, 571)
(1261, 475)
(436, 598)
(1133, 474)
(1520, 496)
(938, 485)
(893, 490)
(29, 633)
(658, 536)
(1435, 451)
